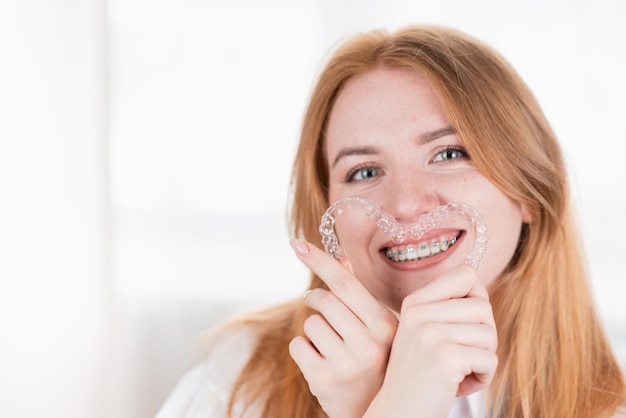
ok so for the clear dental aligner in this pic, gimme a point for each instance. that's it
(397, 232)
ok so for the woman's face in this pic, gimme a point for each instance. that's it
(388, 141)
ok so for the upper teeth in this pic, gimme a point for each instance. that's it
(419, 251)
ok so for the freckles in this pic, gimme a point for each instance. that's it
(464, 182)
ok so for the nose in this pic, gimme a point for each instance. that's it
(408, 197)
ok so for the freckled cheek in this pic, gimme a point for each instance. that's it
(334, 193)
(457, 189)
(354, 233)
(472, 189)
(504, 224)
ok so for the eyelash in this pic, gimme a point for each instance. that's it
(448, 149)
(368, 166)
(350, 175)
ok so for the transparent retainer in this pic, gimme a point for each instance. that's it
(399, 234)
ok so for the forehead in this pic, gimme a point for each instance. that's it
(380, 104)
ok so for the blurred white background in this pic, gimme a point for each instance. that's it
(145, 152)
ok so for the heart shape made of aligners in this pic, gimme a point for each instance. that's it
(396, 231)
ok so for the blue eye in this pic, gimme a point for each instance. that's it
(450, 153)
(362, 173)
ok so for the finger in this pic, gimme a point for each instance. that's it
(478, 289)
(483, 364)
(465, 310)
(456, 283)
(339, 316)
(341, 282)
(481, 336)
(306, 357)
(322, 336)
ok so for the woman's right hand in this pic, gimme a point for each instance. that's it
(445, 346)
(344, 357)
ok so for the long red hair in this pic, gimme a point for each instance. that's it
(554, 359)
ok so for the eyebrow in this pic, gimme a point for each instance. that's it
(436, 134)
(368, 150)
(354, 151)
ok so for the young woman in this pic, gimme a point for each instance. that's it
(413, 120)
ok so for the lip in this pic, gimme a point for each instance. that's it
(427, 262)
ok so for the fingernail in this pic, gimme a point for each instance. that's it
(300, 247)
(306, 293)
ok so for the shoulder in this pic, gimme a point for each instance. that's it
(204, 390)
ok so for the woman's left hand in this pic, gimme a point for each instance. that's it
(345, 357)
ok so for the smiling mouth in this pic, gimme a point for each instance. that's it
(421, 251)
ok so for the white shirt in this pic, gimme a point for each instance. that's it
(203, 391)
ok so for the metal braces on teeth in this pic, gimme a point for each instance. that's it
(410, 250)
(397, 232)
